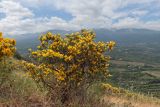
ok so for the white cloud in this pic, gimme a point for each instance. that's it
(139, 12)
(127, 23)
(14, 9)
(14, 13)
(153, 25)
(136, 23)
(102, 13)
(20, 19)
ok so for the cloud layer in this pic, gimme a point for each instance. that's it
(22, 16)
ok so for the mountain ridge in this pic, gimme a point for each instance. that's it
(121, 36)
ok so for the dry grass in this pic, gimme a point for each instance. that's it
(119, 97)
(116, 101)
(20, 91)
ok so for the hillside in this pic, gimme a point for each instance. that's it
(135, 62)
(79, 53)
(17, 91)
(134, 67)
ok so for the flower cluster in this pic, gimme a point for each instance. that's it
(7, 46)
(37, 72)
(72, 59)
(110, 88)
(118, 91)
(111, 44)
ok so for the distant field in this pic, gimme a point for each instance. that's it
(153, 73)
(127, 63)
(137, 76)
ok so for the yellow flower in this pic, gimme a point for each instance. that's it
(68, 58)
(7, 46)
(44, 38)
(60, 75)
(1, 34)
(111, 44)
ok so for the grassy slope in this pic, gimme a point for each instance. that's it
(17, 90)
(20, 91)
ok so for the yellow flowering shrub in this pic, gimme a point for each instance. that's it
(69, 62)
(7, 46)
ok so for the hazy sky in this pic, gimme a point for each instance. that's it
(30, 16)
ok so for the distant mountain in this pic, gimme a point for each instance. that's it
(26, 41)
(121, 36)
(128, 36)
